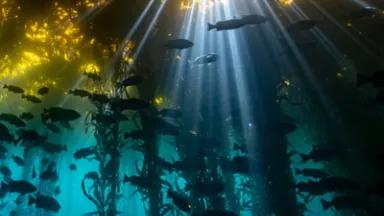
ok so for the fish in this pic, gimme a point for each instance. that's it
(31, 98)
(57, 190)
(139, 181)
(340, 184)
(99, 98)
(58, 114)
(376, 79)
(12, 119)
(137, 134)
(347, 202)
(171, 113)
(50, 147)
(14, 89)
(204, 59)
(321, 154)
(206, 188)
(218, 212)
(49, 174)
(72, 167)
(314, 173)
(43, 90)
(253, 19)
(129, 104)
(5, 135)
(53, 128)
(92, 76)
(18, 160)
(178, 44)
(365, 12)
(5, 171)
(26, 116)
(226, 25)
(302, 25)
(44, 202)
(84, 153)
(29, 135)
(312, 187)
(17, 186)
(180, 201)
(79, 92)
(131, 81)
(34, 174)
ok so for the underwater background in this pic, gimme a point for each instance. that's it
(191, 107)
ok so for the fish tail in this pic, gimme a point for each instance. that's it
(31, 200)
(361, 79)
(326, 204)
(210, 26)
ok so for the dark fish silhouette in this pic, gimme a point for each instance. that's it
(57, 190)
(178, 44)
(43, 90)
(216, 212)
(253, 19)
(18, 160)
(302, 25)
(31, 98)
(139, 181)
(28, 135)
(26, 116)
(57, 114)
(79, 92)
(226, 25)
(241, 148)
(129, 104)
(44, 202)
(93, 76)
(5, 171)
(12, 119)
(171, 113)
(132, 80)
(51, 148)
(53, 128)
(34, 174)
(376, 79)
(72, 167)
(14, 89)
(340, 184)
(362, 13)
(210, 188)
(321, 154)
(347, 202)
(239, 164)
(17, 186)
(84, 153)
(5, 135)
(312, 187)
(180, 201)
(49, 174)
(137, 134)
(205, 59)
(314, 173)
(99, 98)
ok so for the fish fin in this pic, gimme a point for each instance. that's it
(361, 80)
(210, 26)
